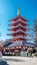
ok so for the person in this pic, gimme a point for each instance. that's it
(30, 54)
(0, 55)
(27, 54)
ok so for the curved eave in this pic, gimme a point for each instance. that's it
(19, 33)
(20, 38)
(24, 44)
(15, 24)
(18, 28)
(14, 39)
(14, 30)
(16, 18)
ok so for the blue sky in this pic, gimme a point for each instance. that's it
(8, 10)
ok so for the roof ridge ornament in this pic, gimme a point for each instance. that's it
(18, 11)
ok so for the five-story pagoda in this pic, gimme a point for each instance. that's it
(18, 28)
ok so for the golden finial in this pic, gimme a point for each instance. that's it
(18, 10)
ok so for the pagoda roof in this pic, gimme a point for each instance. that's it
(18, 17)
(17, 33)
(16, 44)
(17, 23)
(16, 28)
(19, 38)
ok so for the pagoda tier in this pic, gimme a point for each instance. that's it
(17, 34)
(18, 39)
(19, 25)
(18, 28)
(19, 22)
(18, 17)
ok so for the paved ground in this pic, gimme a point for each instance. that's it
(20, 60)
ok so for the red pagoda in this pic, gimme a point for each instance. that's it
(18, 28)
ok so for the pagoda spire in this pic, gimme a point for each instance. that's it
(18, 11)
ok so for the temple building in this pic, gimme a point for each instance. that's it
(19, 35)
